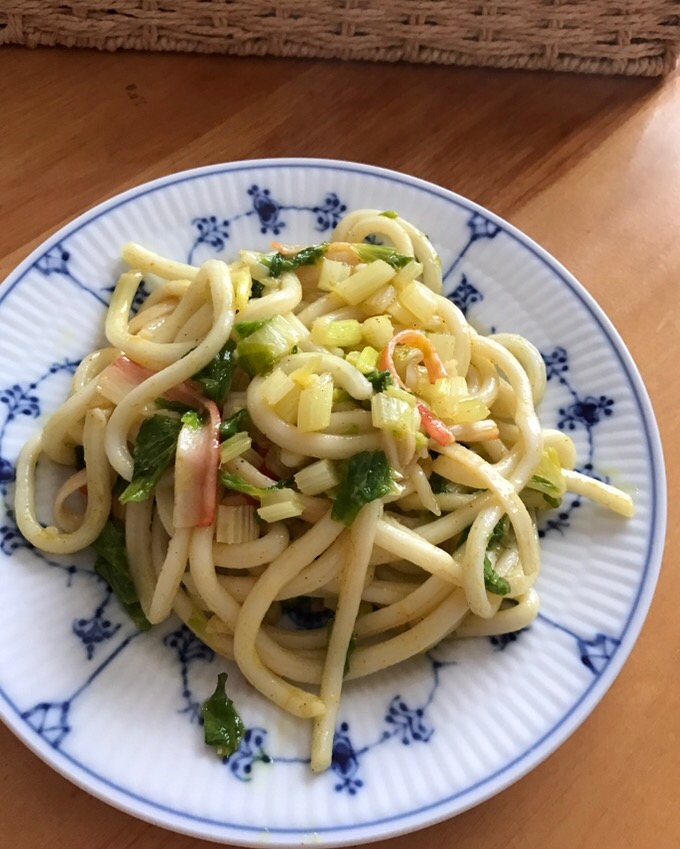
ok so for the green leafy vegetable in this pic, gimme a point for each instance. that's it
(493, 581)
(154, 451)
(278, 263)
(369, 253)
(552, 502)
(238, 421)
(380, 380)
(364, 477)
(222, 725)
(173, 406)
(390, 213)
(215, 377)
(112, 566)
(256, 290)
(243, 329)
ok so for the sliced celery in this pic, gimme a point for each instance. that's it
(236, 524)
(315, 405)
(287, 407)
(402, 315)
(365, 360)
(340, 334)
(365, 282)
(304, 375)
(470, 410)
(379, 301)
(394, 414)
(419, 300)
(235, 446)
(378, 331)
(242, 282)
(444, 345)
(332, 272)
(317, 478)
(280, 504)
(407, 274)
(276, 386)
(397, 392)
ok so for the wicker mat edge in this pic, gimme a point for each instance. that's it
(506, 55)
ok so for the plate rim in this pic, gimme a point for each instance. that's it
(426, 815)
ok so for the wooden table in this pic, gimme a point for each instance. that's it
(590, 167)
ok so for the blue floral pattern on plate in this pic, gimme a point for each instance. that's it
(214, 230)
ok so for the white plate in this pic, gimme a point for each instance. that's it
(115, 712)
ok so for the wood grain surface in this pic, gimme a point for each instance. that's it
(587, 166)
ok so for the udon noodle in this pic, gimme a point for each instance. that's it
(383, 482)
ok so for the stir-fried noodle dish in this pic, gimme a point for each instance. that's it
(310, 436)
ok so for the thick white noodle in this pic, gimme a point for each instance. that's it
(170, 576)
(284, 300)
(222, 294)
(245, 555)
(98, 498)
(359, 543)
(67, 518)
(603, 493)
(145, 260)
(151, 354)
